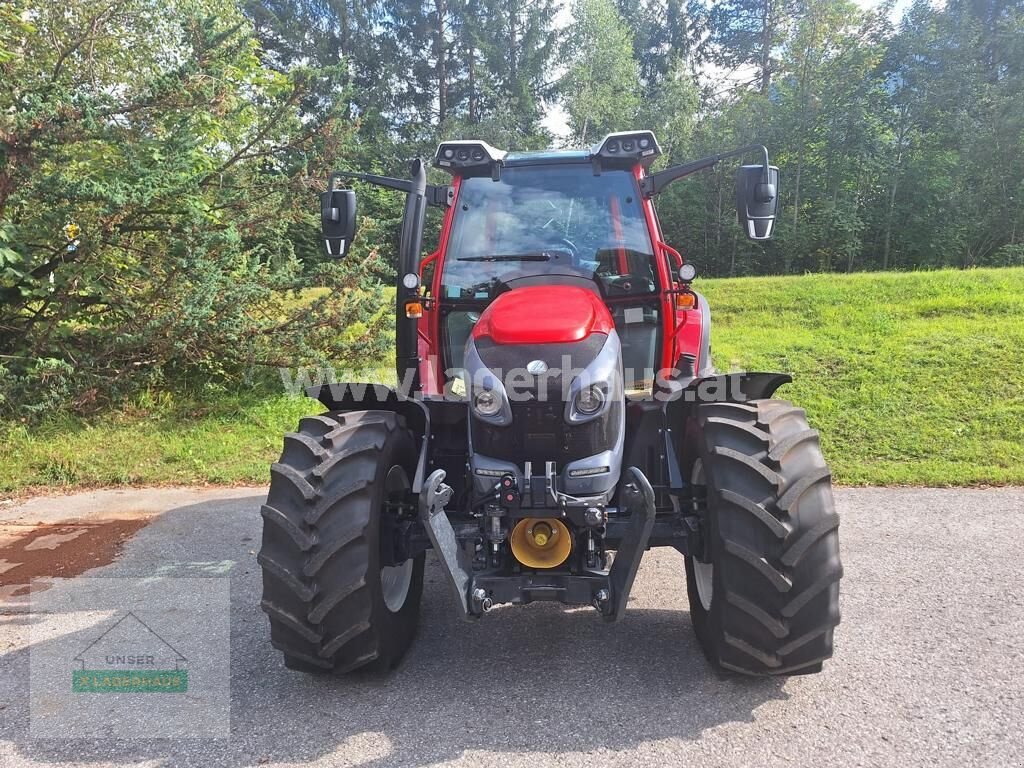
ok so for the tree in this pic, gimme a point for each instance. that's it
(471, 63)
(745, 35)
(957, 78)
(516, 44)
(662, 38)
(600, 89)
(323, 34)
(150, 174)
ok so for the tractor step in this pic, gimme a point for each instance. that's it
(433, 498)
(639, 500)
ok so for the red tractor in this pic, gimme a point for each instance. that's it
(556, 414)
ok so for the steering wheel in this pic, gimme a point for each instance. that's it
(573, 250)
(617, 285)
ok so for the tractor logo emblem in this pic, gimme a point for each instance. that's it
(537, 367)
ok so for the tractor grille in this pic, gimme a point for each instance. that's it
(540, 433)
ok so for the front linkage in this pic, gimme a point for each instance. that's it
(476, 594)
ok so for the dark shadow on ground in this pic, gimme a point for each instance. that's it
(539, 678)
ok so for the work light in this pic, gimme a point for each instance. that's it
(628, 148)
(462, 156)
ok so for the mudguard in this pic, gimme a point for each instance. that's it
(736, 387)
(359, 396)
(719, 388)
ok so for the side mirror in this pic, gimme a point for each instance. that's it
(337, 219)
(757, 200)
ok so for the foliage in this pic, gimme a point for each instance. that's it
(899, 147)
(746, 35)
(662, 38)
(600, 88)
(151, 177)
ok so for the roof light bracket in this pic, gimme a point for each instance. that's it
(625, 149)
(469, 158)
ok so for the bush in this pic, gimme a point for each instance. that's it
(151, 187)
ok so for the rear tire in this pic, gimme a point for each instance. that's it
(772, 540)
(332, 608)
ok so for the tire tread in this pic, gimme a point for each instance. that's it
(315, 548)
(776, 539)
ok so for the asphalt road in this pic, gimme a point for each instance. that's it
(928, 668)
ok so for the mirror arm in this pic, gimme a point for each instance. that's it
(654, 184)
(438, 195)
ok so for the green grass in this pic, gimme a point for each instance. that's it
(911, 379)
(157, 440)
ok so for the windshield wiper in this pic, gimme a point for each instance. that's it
(523, 257)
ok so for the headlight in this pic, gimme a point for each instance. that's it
(589, 400)
(486, 403)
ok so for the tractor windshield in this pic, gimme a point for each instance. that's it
(548, 220)
(553, 223)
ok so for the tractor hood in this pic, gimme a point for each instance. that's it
(544, 315)
(544, 379)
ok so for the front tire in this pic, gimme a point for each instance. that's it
(333, 606)
(764, 596)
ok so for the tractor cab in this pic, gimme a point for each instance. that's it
(581, 218)
(549, 219)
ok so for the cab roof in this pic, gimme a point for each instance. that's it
(470, 157)
(547, 157)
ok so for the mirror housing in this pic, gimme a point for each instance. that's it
(337, 219)
(757, 200)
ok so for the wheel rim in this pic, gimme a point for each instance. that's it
(703, 573)
(394, 583)
(395, 579)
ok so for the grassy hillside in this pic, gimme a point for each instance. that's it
(911, 378)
